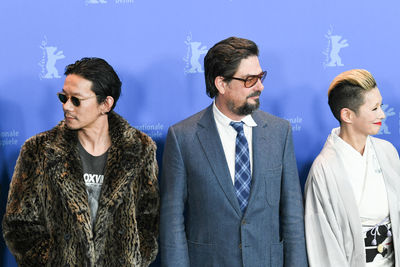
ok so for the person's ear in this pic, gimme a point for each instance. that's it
(221, 84)
(107, 104)
(347, 115)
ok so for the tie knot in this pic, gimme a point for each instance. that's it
(238, 126)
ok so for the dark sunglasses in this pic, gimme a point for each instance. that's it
(252, 79)
(74, 100)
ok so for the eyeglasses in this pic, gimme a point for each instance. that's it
(251, 80)
(75, 100)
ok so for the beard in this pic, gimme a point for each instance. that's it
(246, 108)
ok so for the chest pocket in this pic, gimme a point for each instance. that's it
(273, 179)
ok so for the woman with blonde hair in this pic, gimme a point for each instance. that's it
(352, 193)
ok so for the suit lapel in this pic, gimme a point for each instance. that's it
(260, 149)
(212, 147)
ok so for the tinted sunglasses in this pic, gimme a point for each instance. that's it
(74, 100)
(252, 79)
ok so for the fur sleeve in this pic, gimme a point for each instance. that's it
(24, 228)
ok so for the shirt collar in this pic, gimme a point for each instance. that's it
(346, 148)
(224, 120)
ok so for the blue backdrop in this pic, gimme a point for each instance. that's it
(157, 48)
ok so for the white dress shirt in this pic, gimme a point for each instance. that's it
(228, 135)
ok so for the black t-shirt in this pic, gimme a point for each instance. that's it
(93, 175)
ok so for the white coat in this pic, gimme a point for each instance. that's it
(332, 222)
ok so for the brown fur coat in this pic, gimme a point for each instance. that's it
(47, 221)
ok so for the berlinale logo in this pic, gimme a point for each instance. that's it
(50, 55)
(335, 44)
(93, 2)
(193, 53)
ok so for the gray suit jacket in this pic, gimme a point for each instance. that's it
(201, 222)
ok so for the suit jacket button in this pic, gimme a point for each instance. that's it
(243, 222)
(240, 246)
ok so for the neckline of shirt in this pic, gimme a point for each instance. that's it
(347, 148)
(224, 120)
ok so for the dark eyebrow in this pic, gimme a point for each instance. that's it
(251, 75)
(77, 94)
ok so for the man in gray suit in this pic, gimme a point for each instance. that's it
(230, 191)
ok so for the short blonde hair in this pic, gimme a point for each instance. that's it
(347, 90)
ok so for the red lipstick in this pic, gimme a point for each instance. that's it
(378, 123)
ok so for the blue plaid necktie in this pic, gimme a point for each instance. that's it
(242, 166)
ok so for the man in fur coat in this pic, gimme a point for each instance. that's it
(85, 193)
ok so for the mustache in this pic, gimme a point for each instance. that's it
(69, 115)
(256, 93)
